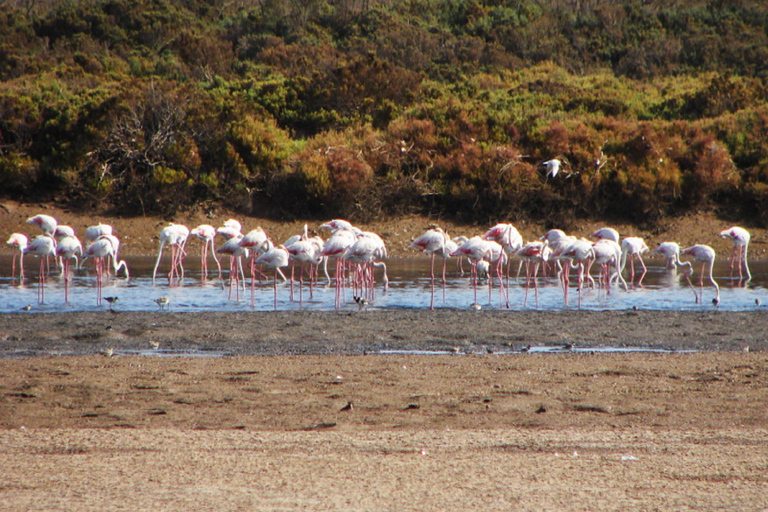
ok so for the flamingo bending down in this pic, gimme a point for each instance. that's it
(305, 251)
(606, 234)
(93, 233)
(45, 222)
(206, 234)
(477, 249)
(633, 247)
(102, 249)
(174, 235)
(579, 255)
(235, 252)
(740, 238)
(670, 251)
(276, 258)
(607, 253)
(363, 255)
(42, 246)
(706, 255)
(510, 239)
(69, 248)
(335, 247)
(533, 254)
(19, 242)
(432, 242)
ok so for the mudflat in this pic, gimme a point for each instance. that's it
(321, 411)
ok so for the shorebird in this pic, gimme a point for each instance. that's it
(163, 301)
(112, 301)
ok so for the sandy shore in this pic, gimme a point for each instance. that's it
(342, 427)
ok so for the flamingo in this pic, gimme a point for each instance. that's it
(477, 249)
(276, 258)
(19, 242)
(236, 252)
(102, 248)
(740, 238)
(533, 253)
(206, 234)
(117, 263)
(42, 246)
(432, 242)
(68, 248)
(607, 253)
(509, 237)
(305, 251)
(174, 235)
(706, 256)
(62, 231)
(606, 234)
(257, 242)
(633, 247)
(579, 254)
(670, 251)
(363, 255)
(558, 241)
(230, 229)
(45, 222)
(93, 233)
(335, 247)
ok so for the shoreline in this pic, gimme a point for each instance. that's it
(348, 333)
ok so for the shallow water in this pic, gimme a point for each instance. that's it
(409, 287)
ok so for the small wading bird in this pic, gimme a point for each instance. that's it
(162, 302)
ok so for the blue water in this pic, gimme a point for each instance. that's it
(409, 287)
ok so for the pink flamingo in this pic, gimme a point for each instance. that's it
(174, 235)
(257, 242)
(206, 234)
(477, 249)
(579, 254)
(99, 251)
(510, 239)
(19, 242)
(670, 251)
(633, 247)
(533, 253)
(305, 251)
(740, 238)
(235, 252)
(706, 256)
(558, 241)
(42, 246)
(363, 255)
(432, 242)
(607, 253)
(606, 234)
(276, 258)
(230, 229)
(335, 247)
(45, 222)
(93, 233)
(69, 248)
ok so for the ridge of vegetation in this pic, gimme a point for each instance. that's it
(361, 108)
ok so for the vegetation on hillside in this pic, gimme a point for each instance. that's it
(361, 107)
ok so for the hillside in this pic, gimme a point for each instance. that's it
(364, 109)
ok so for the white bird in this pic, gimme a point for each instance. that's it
(42, 246)
(740, 238)
(276, 258)
(553, 167)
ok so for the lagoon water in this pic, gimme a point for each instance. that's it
(409, 287)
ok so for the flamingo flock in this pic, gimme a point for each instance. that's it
(360, 255)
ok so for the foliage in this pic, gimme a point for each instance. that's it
(359, 109)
